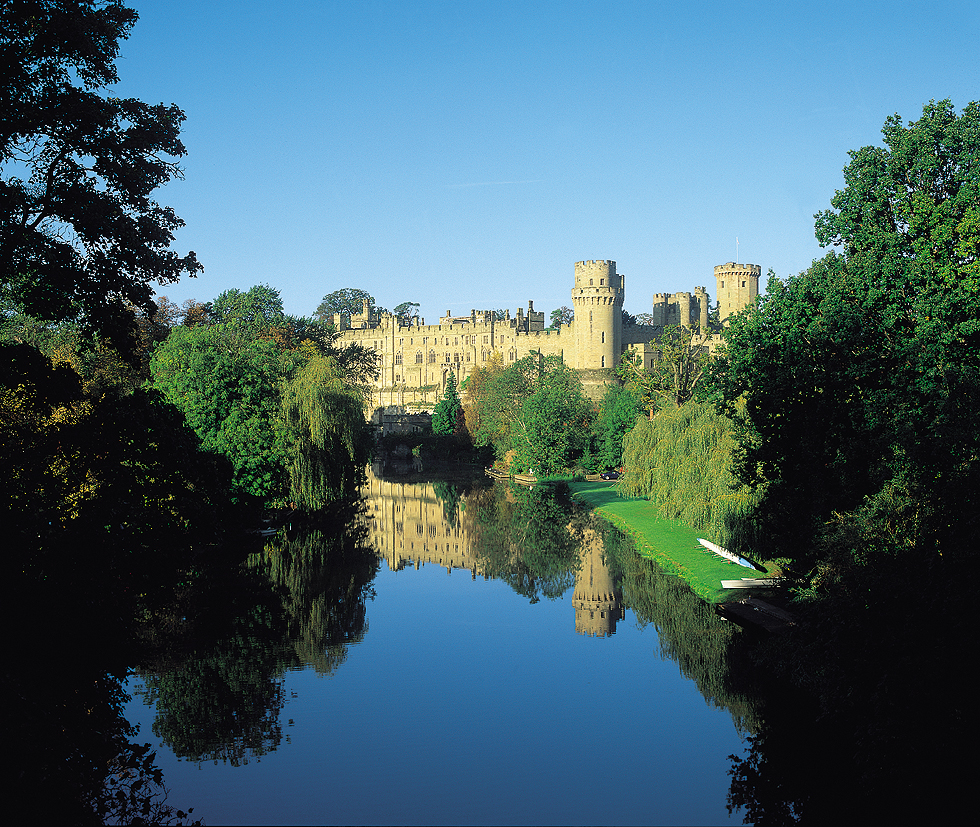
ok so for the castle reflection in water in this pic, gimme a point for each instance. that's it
(410, 525)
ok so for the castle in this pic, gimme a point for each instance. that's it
(416, 359)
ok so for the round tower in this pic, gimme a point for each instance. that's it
(597, 299)
(597, 600)
(701, 296)
(738, 285)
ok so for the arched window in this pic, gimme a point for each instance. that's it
(418, 358)
(398, 358)
(432, 357)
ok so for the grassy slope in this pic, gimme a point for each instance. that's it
(670, 543)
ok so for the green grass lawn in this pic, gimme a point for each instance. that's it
(673, 545)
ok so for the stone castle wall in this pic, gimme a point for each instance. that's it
(416, 359)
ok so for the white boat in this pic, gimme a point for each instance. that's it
(752, 583)
(725, 553)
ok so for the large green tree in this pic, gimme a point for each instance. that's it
(273, 393)
(80, 235)
(861, 432)
(535, 408)
(861, 374)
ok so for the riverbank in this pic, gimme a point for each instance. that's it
(670, 543)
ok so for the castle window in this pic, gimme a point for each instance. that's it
(743, 284)
(447, 357)
(432, 357)
(602, 282)
(723, 284)
(398, 358)
(603, 337)
(418, 358)
(603, 361)
(486, 340)
(467, 356)
(590, 282)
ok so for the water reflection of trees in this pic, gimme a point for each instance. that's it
(299, 601)
(325, 576)
(525, 537)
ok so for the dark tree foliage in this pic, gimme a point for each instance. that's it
(406, 312)
(447, 418)
(348, 301)
(563, 315)
(80, 235)
(862, 434)
(110, 510)
(861, 374)
(617, 416)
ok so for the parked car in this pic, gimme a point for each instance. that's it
(610, 475)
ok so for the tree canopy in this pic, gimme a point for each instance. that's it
(406, 312)
(676, 374)
(535, 411)
(563, 315)
(273, 393)
(347, 301)
(80, 235)
(861, 374)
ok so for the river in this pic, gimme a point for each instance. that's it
(460, 653)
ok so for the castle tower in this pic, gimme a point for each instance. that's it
(597, 299)
(701, 296)
(738, 285)
(596, 598)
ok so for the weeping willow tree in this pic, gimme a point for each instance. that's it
(680, 460)
(323, 416)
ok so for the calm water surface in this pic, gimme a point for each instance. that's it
(495, 676)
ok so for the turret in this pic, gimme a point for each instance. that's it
(597, 299)
(738, 286)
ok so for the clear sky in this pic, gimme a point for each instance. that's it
(466, 154)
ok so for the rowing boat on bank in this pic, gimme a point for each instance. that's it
(726, 554)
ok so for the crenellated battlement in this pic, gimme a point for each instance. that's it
(755, 269)
(597, 274)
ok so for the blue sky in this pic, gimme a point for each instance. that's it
(466, 154)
